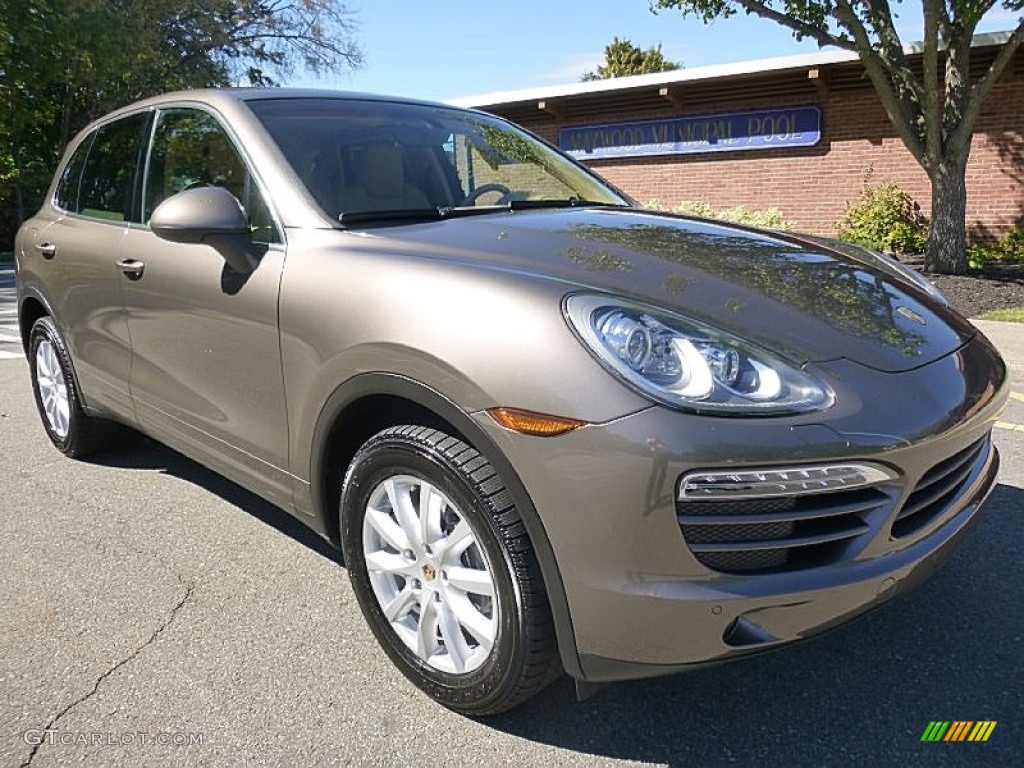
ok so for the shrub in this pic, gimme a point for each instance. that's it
(885, 219)
(700, 208)
(1009, 248)
(769, 218)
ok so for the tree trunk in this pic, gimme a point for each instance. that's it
(947, 240)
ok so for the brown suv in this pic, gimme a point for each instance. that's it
(549, 429)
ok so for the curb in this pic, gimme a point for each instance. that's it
(1008, 338)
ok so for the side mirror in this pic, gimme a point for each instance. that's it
(209, 215)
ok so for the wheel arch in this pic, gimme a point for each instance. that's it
(370, 402)
(32, 308)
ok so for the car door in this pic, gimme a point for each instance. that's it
(74, 252)
(206, 371)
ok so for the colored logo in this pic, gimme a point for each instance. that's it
(958, 730)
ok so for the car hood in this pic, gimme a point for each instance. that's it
(797, 297)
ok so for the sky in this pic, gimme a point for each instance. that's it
(453, 48)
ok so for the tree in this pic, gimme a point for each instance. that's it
(934, 108)
(65, 62)
(622, 58)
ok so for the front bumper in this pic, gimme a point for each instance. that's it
(759, 613)
(642, 604)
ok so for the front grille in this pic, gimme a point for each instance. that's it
(778, 534)
(940, 485)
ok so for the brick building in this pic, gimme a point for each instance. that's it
(797, 133)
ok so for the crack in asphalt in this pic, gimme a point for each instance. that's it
(189, 590)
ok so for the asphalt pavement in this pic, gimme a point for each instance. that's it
(146, 600)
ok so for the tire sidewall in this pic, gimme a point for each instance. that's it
(397, 456)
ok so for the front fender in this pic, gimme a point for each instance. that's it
(322, 502)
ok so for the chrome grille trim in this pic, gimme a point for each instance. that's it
(780, 481)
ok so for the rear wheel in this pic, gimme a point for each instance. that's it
(68, 426)
(444, 571)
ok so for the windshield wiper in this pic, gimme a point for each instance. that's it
(570, 202)
(449, 212)
(417, 214)
(401, 214)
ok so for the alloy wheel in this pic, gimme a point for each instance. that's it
(53, 389)
(429, 574)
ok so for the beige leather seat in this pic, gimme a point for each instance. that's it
(380, 182)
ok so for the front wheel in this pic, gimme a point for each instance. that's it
(444, 571)
(68, 426)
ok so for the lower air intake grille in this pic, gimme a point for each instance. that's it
(940, 486)
(777, 534)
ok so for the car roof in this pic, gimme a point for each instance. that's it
(225, 97)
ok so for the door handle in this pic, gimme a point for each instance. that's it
(46, 250)
(132, 268)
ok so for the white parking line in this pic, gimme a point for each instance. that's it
(11, 355)
(10, 339)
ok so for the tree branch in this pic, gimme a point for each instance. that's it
(931, 106)
(822, 36)
(895, 88)
(961, 136)
(889, 40)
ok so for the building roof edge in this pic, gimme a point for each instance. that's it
(710, 72)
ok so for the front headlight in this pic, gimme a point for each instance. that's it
(688, 365)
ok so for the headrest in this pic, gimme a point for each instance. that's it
(380, 170)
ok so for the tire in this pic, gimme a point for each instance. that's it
(69, 427)
(468, 618)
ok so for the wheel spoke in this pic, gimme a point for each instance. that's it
(426, 634)
(389, 562)
(431, 504)
(470, 619)
(471, 580)
(399, 608)
(387, 528)
(44, 364)
(401, 502)
(454, 641)
(63, 418)
(456, 542)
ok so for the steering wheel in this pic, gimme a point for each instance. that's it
(483, 189)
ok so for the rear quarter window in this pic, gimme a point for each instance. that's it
(109, 177)
(67, 196)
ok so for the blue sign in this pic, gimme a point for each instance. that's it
(731, 132)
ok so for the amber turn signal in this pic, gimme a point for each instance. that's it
(530, 423)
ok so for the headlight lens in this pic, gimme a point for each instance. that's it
(688, 365)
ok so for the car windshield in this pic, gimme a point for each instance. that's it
(365, 160)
